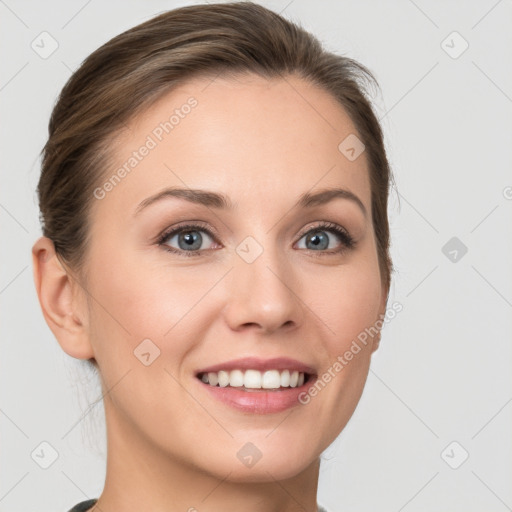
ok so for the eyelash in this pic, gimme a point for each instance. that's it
(346, 240)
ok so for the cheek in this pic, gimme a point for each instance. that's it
(347, 306)
(142, 311)
(145, 300)
(347, 301)
(171, 307)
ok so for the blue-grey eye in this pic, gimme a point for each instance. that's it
(316, 240)
(189, 240)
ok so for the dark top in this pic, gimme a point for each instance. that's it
(83, 506)
(86, 505)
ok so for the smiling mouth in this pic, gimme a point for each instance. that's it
(255, 380)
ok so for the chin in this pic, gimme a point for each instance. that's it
(252, 464)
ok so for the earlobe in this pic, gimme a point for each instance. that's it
(63, 311)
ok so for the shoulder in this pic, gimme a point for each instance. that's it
(83, 506)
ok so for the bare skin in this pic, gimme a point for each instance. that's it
(171, 446)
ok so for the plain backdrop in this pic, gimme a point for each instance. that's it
(433, 428)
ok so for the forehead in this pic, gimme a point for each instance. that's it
(246, 136)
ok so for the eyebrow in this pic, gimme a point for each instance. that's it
(221, 201)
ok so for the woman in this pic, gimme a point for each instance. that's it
(214, 206)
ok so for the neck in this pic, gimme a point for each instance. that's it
(143, 476)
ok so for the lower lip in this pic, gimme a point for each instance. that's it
(258, 401)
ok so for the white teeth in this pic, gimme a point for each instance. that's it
(285, 378)
(236, 379)
(271, 380)
(254, 379)
(223, 379)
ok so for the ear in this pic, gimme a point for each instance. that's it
(62, 300)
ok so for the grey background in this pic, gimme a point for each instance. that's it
(443, 370)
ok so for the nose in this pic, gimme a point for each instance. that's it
(263, 295)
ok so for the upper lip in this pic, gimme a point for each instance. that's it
(255, 363)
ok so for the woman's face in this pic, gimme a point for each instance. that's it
(261, 277)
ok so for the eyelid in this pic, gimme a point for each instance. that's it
(192, 224)
(327, 225)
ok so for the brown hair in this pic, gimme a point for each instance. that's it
(135, 68)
